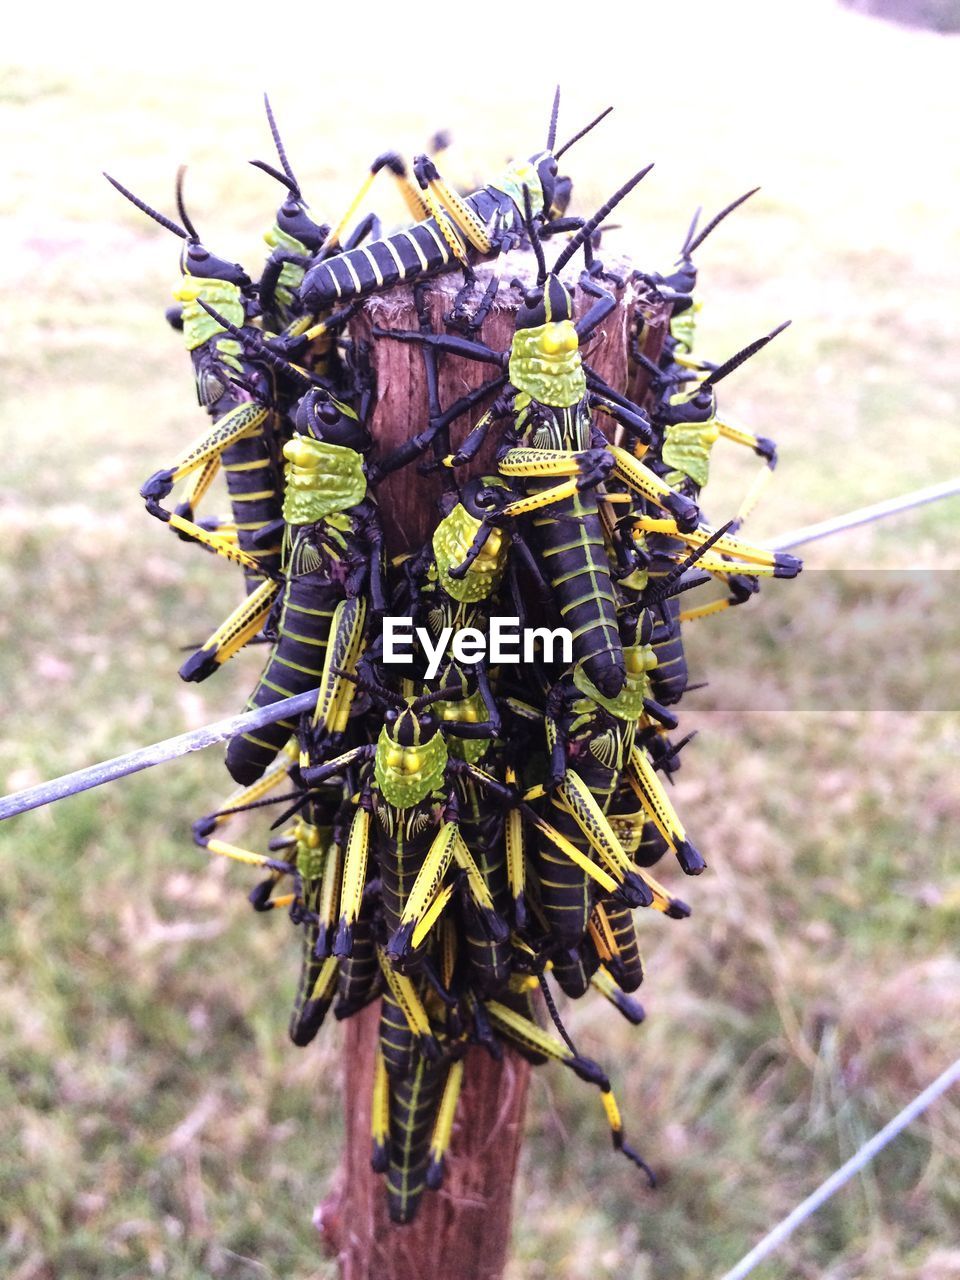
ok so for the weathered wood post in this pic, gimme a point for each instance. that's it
(462, 1231)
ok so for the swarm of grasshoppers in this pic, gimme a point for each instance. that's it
(455, 841)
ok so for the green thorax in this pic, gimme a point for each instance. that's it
(683, 328)
(628, 704)
(545, 365)
(686, 448)
(230, 352)
(277, 238)
(471, 709)
(198, 326)
(288, 284)
(287, 289)
(512, 182)
(312, 845)
(452, 540)
(407, 775)
(321, 478)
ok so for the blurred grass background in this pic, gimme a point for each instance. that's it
(154, 1118)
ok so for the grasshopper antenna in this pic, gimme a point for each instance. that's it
(181, 207)
(589, 227)
(585, 130)
(278, 143)
(552, 130)
(664, 587)
(689, 248)
(280, 177)
(374, 688)
(147, 209)
(438, 695)
(685, 250)
(737, 360)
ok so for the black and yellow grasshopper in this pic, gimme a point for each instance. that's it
(688, 424)
(445, 605)
(461, 230)
(294, 238)
(332, 559)
(411, 818)
(297, 241)
(591, 739)
(238, 389)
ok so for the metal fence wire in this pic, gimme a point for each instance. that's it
(775, 1238)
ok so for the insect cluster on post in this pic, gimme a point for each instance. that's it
(458, 834)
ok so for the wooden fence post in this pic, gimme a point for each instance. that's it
(461, 1232)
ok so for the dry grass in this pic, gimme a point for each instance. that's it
(154, 1119)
